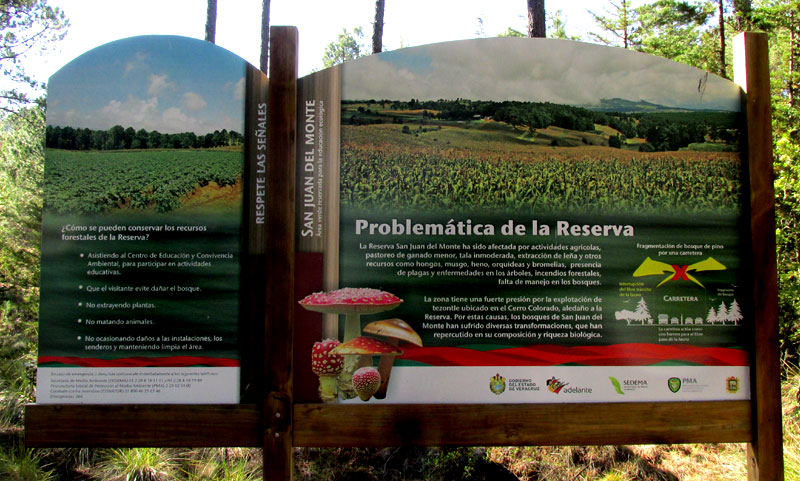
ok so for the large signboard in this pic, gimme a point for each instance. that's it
(554, 222)
(143, 223)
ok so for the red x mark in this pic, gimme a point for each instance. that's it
(680, 273)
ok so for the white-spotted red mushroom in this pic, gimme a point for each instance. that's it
(353, 302)
(395, 331)
(366, 381)
(327, 366)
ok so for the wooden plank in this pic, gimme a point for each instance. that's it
(127, 425)
(280, 299)
(380, 425)
(254, 262)
(751, 71)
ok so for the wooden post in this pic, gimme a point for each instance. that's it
(751, 71)
(281, 136)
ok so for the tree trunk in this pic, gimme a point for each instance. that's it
(211, 21)
(536, 22)
(722, 67)
(377, 27)
(264, 60)
(794, 59)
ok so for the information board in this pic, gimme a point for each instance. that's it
(143, 224)
(557, 222)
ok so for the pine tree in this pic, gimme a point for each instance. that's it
(711, 317)
(211, 21)
(735, 313)
(619, 23)
(722, 313)
(377, 27)
(536, 19)
(264, 59)
(642, 313)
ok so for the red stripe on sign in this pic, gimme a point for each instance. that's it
(173, 361)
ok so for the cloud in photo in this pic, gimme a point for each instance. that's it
(194, 102)
(159, 84)
(537, 70)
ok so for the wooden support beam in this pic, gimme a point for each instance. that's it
(751, 71)
(380, 425)
(278, 345)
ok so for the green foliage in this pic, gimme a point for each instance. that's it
(137, 180)
(26, 27)
(672, 29)
(18, 463)
(138, 464)
(512, 33)
(347, 46)
(787, 209)
(119, 138)
(419, 176)
(617, 25)
(21, 160)
(21, 170)
(558, 27)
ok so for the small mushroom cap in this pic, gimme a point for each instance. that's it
(366, 346)
(394, 328)
(323, 362)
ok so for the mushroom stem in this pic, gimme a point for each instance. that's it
(352, 326)
(352, 330)
(385, 369)
(328, 387)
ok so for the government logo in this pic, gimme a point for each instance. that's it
(497, 384)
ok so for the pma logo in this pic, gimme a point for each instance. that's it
(674, 384)
(732, 384)
(497, 384)
(554, 385)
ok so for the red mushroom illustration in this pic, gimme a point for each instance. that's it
(327, 366)
(353, 302)
(394, 330)
(366, 381)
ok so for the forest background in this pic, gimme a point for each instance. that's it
(696, 32)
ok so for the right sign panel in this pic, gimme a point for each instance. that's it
(556, 221)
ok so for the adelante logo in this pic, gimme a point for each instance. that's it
(674, 384)
(497, 384)
(555, 385)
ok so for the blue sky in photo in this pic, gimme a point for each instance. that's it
(165, 83)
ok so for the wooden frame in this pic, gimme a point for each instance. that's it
(278, 425)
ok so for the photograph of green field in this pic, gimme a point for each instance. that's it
(394, 156)
(147, 180)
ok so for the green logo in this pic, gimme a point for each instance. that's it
(497, 384)
(674, 384)
(616, 384)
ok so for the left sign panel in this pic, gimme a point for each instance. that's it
(146, 223)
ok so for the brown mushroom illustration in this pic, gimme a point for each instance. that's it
(395, 331)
